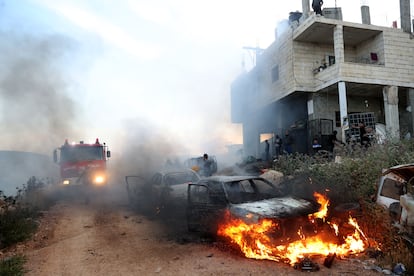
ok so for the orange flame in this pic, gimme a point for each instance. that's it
(251, 238)
(258, 240)
(323, 210)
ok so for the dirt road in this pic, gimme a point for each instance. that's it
(106, 237)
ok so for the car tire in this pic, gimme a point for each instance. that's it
(345, 210)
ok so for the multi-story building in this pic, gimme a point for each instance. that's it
(323, 74)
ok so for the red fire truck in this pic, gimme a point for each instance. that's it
(82, 164)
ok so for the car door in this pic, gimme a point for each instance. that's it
(155, 188)
(178, 185)
(206, 206)
(134, 186)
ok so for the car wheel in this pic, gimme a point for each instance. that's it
(191, 226)
(345, 210)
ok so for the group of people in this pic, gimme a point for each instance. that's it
(280, 146)
(284, 146)
(364, 139)
(363, 134)
(332, 142)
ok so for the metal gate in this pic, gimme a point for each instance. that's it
(368, 118)
(321, 129)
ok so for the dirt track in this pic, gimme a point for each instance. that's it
(106, 237)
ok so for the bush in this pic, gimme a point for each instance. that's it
(18, 214)
(13, 266)
(355, 180)
(17, 225)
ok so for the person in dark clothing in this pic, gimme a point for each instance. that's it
(315, 145)
(317, 6)
(288, 143)
(363, 136)
(333, 140)
(267, 148)
(207, 165)
(278, 146)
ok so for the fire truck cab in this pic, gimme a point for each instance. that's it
(82, 163)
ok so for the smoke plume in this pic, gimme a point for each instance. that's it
(37, 112)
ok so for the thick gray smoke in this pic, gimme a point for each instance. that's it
(37, 113)
(145, 149)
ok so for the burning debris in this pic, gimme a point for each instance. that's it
(306, 265)
(315, 236)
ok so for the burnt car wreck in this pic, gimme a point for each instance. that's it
(396, 193)
(263, 222)
(164, 190)
(250, 198)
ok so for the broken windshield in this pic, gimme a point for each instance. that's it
(249, 190)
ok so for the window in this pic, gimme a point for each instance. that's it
(81, 153)
(331, 60)
(374, 57)
(180, 178)
(337, 119)
(275, 73)
(198, 194)
(247, 186)
(264, 188)
(156, 179)
(392, 189)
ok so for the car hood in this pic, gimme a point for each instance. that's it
(405, 171)
(281, 207)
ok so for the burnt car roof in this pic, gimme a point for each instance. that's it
(229, 178)
(169, 171)
(405, 171)
(272, 207)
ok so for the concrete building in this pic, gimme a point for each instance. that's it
(323, 74)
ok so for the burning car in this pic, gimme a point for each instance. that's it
(165, 189)
(395, 193)
(250, 198)
(255, 216)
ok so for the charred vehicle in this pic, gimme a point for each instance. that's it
(166, 189)
(252, 166)
(250, 198)
(396, 193)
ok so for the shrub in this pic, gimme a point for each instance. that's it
(13, 266)
(355, 180)
(18, 213)
(17, 225)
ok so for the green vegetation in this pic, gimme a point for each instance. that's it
(18, 221)
(355, 179)
(12, 266)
